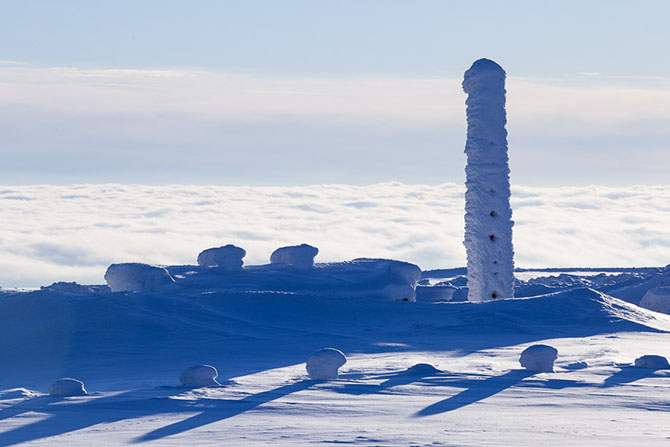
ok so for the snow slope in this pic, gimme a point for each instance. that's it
(129, 349)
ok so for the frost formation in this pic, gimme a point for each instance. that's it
(488, 215)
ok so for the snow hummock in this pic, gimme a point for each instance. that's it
(299, 256)
(539, 358)
(657, 299)
(422, 369)
(67, 387)
(228, 257)
(136, 277)
(488, 215)
(324, 364)
(652, 362)
(199, 376)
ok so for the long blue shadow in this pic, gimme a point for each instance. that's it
(627, 374)
(225, 409)
(478, 391)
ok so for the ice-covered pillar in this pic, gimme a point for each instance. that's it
(488, 216)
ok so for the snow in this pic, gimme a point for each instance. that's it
(130, 347)
(362, 278)
(298, 256)
(199, 376)
(539, 358)
(228, 257)
(488, 216)
(651, 361)
(136, 277)
(325, 363)
(657, 299)
(67, 387)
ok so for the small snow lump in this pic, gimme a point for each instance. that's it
(422, 369)
(299, 256)
(657, 299)
(67, 387)
(539, 358)
(324, 363)
(228, 257)
(199, 376)
(652, 362)
(136, 277)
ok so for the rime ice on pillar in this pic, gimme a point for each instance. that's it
(488, 216)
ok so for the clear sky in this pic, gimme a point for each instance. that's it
(296, 92)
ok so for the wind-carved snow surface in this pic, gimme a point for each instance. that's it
(488, 215)
(657, 299)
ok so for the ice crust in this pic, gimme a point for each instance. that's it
(488, 215)
(136, 277)
(657, 299)
(67, 387)
(325, 363)
(228, 257)
(199, 376)
(652, 362)
(299, 256)
(539, 358)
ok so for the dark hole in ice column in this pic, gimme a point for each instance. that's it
(493, 213)
(492, 237)
(493, 295)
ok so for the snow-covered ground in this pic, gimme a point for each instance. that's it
(130, 349)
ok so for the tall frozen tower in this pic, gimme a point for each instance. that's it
(488, 216)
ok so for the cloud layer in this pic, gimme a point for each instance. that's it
(52, 233)
(68, 125)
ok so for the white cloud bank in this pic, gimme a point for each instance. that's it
(51, 233)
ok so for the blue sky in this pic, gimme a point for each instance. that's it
(298, 92)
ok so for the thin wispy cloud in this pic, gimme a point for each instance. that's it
(51, 233)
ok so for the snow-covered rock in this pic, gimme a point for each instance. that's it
(136, 277)
(652, 362)
(199, 376)
(488, 215)
(67, 387)
(657, 299)
(228, 257)
(539, 358)
(299, 256)
(324, 364)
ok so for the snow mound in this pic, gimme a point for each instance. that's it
(228, 257)
(652, 362)
(67, 387)
(199, 376)
(657, 299)
(136, 277)
(539, 358)
(73, 287)
(299, 256)
(422, 369)
(361, 278)
(324, 364)
(577, 365)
